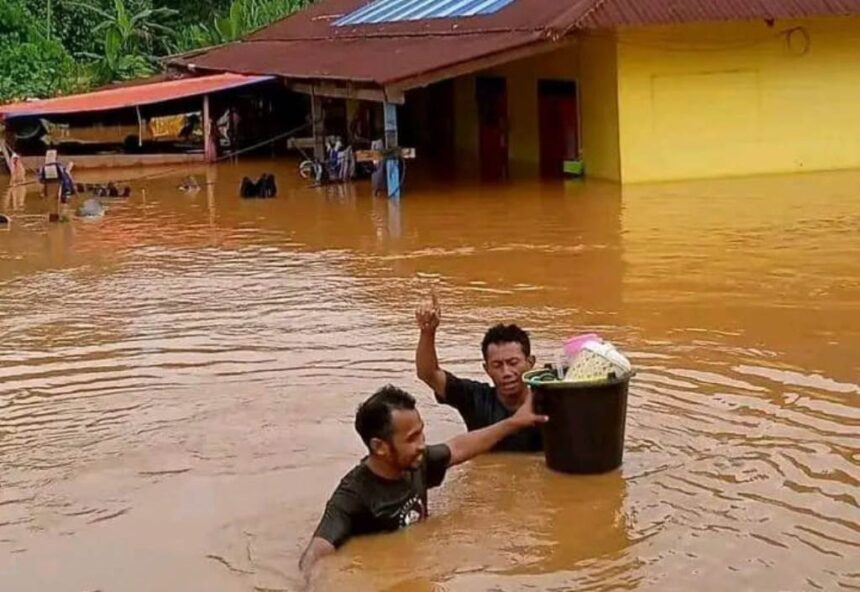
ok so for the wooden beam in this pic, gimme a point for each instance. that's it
(377, 155)
(101, 161)
(300, 143)
(348, 91)
(485, 63)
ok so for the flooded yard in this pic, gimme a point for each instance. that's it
(178, 381)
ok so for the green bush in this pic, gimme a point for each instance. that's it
(31, 66)
(128, 39)
(241, 18)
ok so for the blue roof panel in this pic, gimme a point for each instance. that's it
(390, 11)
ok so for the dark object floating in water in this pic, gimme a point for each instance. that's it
(269, 187)
(248, 188)
(265, 187)
(109, 190)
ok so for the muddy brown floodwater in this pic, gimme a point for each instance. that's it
(178, 381)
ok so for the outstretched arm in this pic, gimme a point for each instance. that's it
(334, 529)
(426, 362)
(316, 550)
(471, 444)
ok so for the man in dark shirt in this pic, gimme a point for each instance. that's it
(507, 356)
(387, 490)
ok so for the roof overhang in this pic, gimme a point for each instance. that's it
(130, 96)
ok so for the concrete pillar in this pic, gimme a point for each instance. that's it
(392, 164)
(318, 126)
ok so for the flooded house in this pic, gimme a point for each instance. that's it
(624, 90)
(168, 119)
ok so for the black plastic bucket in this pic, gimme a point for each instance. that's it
(585, 432)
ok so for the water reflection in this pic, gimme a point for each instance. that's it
(501, 523)
(14, 198)
(183, 373)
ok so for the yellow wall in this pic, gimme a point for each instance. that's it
(736, 99)
(598, 80)
(591, 64)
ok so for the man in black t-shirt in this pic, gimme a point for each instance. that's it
(387, 490)
(507, 356)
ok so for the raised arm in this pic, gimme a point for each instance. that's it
(471, 444)
(426, 362)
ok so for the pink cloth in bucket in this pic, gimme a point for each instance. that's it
(574, 344)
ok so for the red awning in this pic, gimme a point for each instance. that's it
(130, 96)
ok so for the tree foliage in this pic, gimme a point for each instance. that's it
(30, 63)
(50, 47)
(240, 18)
(128, 40)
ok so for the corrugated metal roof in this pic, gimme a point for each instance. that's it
(129, 96)
(306, 45)
(613, 13)
(316, 22)
(550, 17)
(380, 60)
(387, 11)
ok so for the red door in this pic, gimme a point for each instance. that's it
(492, 95)
(559, 126)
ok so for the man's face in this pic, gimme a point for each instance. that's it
(406, 446)
(506, 363)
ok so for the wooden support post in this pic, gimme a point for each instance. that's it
(140, 129)
(7, 153)
(318, 127)
(54, 192)
(392, 165)
(209, 151)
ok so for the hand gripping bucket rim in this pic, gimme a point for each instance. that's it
(532, 378)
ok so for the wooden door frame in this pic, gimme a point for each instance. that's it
(577, 97)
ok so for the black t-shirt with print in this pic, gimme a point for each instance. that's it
(480, 407)
(366, 503)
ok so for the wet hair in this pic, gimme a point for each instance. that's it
(373, 418)
(502, 333)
